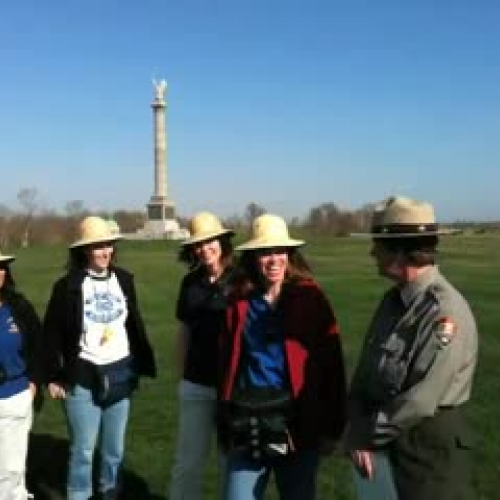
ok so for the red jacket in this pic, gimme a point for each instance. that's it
(315, 362)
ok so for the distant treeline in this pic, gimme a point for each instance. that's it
(33, 224)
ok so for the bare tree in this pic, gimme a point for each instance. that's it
(252, 211)
(129, 221)
(74, 208)
(5, 215)
(323, 218)
(364, 215)
(235, 222)
(28, 199)
(327, 218)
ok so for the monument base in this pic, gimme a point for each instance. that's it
(161, 223)
(163, 229)
(161, 226)
(160, 209)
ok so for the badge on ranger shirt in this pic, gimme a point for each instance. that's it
(446, 329)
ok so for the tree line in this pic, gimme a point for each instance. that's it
(32, 223)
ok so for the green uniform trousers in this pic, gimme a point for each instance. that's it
(432, 459)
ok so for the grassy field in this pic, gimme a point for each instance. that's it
(345, 271)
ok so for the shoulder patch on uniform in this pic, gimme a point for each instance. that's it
(445, 329)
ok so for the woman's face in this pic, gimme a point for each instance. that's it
(272, 264)
(208, 252)
(99, 256)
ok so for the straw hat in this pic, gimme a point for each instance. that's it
(269, 231)
(205, 226)
(114, 228)
(400, 217)
(6, 259)
(94, 229)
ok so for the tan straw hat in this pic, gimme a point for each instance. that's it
(205, 226)
(269, 231)
(114, 228)
(94, 229)
(5, 259)
(401, 217)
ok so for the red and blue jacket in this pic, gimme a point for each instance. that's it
(314, 357)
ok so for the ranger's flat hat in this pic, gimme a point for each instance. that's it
(401, 217)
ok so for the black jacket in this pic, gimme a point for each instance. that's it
(63, 327)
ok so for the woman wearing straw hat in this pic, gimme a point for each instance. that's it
(96, 350)
(200, 311)
(415, 372)
(20, 376)
(282, 394)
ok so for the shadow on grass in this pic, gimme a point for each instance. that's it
(47, 470)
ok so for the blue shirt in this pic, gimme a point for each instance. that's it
(263, 362)
(11, 362)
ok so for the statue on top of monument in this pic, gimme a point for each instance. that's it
(160, 87)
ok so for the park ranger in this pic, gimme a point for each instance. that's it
(416, 368)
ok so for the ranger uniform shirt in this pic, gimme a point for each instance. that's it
(419, 354)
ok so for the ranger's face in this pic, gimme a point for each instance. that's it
(388, 263)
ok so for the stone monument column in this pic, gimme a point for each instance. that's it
(161, 211)
(160, 145)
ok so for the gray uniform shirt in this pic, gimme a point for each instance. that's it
(419, 354)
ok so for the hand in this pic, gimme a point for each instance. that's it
(56, 391)
(33, 389)
(363, 462)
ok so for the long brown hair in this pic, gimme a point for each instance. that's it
(247, 277)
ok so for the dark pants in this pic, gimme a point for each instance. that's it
(432, 459)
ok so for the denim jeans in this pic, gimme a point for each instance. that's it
(195, 435)
(381, 486)
(295, 475)
(85, 419)
(15, 423)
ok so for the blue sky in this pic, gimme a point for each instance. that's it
(288, 104)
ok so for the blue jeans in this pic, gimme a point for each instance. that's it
(85, 419)
(381, 486)
(295, 475)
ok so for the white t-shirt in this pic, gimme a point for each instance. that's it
(104, 338)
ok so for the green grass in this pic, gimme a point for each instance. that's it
(344, 269)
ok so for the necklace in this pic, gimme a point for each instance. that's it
(104, 306)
